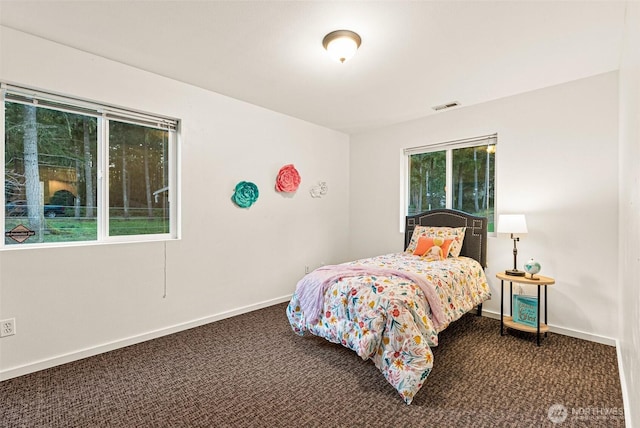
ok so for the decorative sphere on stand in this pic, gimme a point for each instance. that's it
(532, 267)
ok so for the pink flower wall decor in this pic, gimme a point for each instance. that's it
(288, 179)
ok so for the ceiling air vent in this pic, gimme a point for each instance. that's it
(446, 106)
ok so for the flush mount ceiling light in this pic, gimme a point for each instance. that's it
(341, 44)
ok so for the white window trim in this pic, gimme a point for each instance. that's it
(22, 95)
(448, 147)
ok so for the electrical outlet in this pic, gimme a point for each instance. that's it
(8, 327)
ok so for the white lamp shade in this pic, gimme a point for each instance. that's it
(512, 223)
(342, 49)
(342, 44)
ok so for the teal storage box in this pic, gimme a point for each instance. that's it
(525, 310)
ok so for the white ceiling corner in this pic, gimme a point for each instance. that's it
(414, 54)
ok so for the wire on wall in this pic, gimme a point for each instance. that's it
(164, 295)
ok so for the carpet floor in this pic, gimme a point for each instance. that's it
(253, 371)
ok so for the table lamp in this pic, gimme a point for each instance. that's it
(514, 224)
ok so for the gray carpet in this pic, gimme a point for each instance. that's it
(253, 371)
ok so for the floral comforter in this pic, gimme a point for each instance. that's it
(387, 318)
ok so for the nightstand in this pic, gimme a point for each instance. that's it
(541, 281)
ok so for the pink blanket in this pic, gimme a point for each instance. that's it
(311, 288)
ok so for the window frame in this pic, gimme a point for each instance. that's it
(448, 148)
(103, 114)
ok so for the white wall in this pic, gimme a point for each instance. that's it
(73, 302)
(629, 246)
(556, 162)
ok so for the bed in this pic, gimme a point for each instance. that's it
(390, 308)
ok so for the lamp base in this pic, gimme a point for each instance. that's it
(514, 272)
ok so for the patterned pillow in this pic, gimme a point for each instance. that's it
(433, 248)
(454, 233)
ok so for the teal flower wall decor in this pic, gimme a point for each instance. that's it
(245, 195)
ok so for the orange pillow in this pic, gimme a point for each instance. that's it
(433, 248)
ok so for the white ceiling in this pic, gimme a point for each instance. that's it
(414, 55)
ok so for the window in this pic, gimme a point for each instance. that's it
(458, 175)
(77, 171)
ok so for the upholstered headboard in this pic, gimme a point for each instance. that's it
(475, 237)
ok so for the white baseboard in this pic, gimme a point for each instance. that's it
(565, 331)
(100, 349)
(89, 352)
(623, 387)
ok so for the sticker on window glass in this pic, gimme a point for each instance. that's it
(20, 233)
